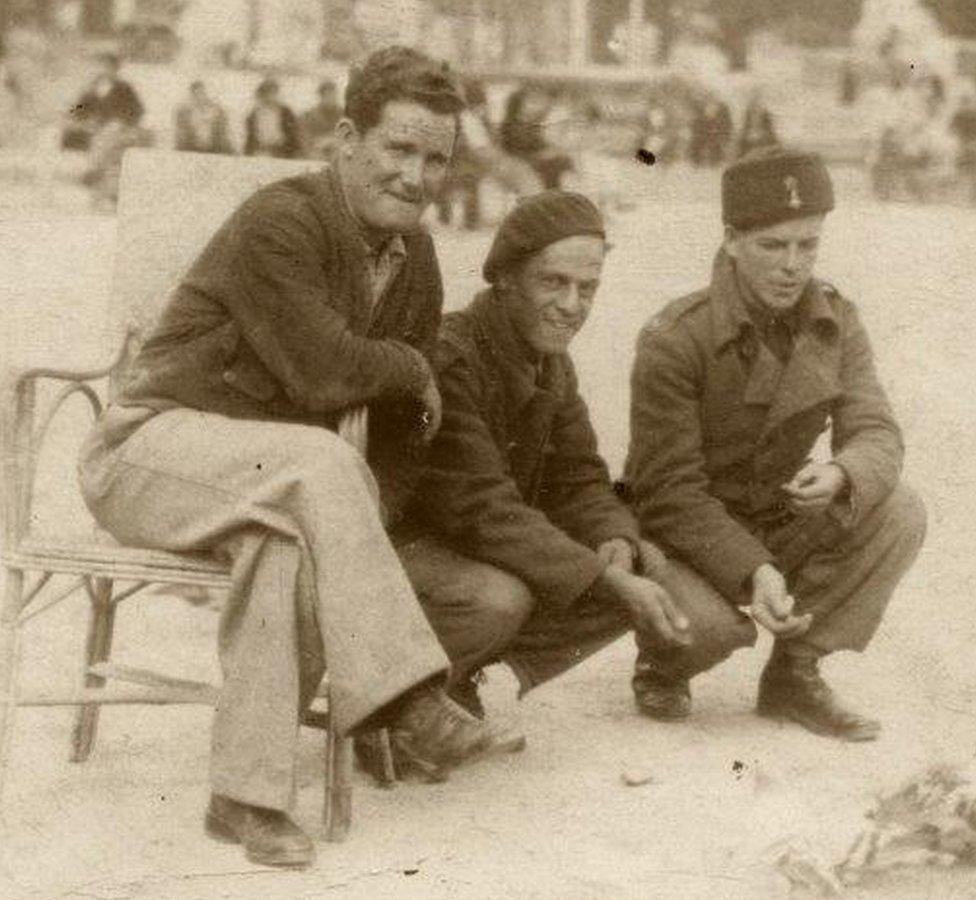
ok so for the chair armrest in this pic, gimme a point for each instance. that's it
(23, 428)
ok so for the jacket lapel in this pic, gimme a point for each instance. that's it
(808, 379)
(812, 373)
(531, 398)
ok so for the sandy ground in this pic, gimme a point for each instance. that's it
(556, 821)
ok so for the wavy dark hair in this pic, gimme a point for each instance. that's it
(400, 73)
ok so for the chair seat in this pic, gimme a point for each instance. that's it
(99, 556)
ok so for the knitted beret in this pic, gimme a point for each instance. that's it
(535, 223)
(774, 184)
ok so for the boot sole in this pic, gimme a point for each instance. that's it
(220, 831)
(778, 714)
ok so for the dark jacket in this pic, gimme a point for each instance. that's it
(274, 321)
(513, 477)
(718, 424)
(186, 137)
(120, 104)
(290, 145)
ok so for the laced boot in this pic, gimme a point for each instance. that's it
(437, 730)
(792, 688)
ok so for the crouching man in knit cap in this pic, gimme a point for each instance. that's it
(731, 388)
(522, 551)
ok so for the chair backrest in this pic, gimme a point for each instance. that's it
(170, 203)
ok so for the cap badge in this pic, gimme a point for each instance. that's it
(793, 192)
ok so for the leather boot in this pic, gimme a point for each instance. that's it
(660, 695)
(437, 729)
(269, 836)
(792, 688)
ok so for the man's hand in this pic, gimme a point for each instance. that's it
(815, 487)
(430, 418)
(772, 606)
(650, 606)
(617, 552)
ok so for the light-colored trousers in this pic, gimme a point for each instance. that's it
(314, 576)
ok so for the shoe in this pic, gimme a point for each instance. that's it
(437, 730)
(792, 688)
(660, 696)
(269, 836)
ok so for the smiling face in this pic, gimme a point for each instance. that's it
(777, 262)
(393, 171)
(549, 298)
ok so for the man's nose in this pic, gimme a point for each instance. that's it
(792, 260)
(412, 171)
(570, 302)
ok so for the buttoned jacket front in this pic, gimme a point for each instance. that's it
(719, 424)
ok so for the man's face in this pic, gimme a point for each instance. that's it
(777, 262)
(549, 298)
(394, 170)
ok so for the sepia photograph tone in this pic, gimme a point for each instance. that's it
(478, 449)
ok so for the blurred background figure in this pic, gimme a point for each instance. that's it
(478, 158)
(106, 99)
(711, 133)
(522, 135)
(317, 125)
(963, 128)
(108, 145)
(200, 123)
(757, 128)
(850, 83)
(271, 128)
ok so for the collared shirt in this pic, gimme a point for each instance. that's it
(777, 328)
(383, 262)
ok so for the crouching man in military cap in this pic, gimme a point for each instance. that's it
(524, 552)
(731, 387)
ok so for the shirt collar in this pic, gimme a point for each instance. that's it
(524, 375)
(730, 309)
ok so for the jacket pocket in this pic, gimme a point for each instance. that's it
(245, 373)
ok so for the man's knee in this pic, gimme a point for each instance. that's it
(501, 602)
(904, 516)
(717, 627)
(321, 457)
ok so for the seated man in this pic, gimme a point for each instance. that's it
(732, 386)
(319, 294)
(523, 552)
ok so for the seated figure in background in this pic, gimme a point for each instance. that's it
(271, 128)
(317, 125)
(200, 123)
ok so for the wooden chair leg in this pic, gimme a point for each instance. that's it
(98, 648)
(338, 785)
(9, 611)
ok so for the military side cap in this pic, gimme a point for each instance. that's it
(536, 222)
(774, 184)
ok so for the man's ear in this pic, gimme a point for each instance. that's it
(730, 243)
(348, 135)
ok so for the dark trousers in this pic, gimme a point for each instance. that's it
(482, 614)
(844, 576)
